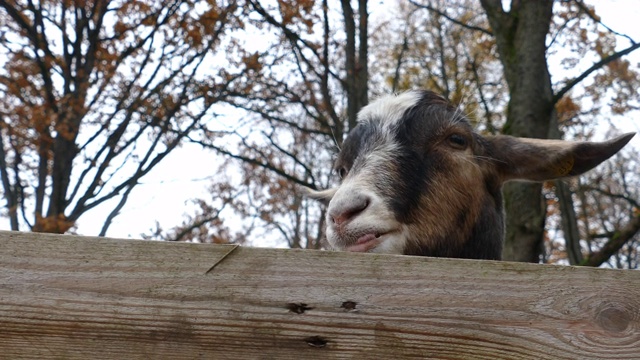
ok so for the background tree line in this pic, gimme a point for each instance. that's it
(94, 94)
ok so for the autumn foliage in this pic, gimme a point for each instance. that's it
(93, 94)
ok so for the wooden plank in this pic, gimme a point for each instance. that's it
(70, 297)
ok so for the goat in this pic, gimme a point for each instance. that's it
(417, 180)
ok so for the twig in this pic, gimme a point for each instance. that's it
(235, 246)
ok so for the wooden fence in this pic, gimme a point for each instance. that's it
(72, 297)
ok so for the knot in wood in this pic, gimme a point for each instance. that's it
(613, 318)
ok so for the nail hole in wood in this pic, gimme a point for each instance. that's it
(316, 341)
(298, 308)
(349, 305)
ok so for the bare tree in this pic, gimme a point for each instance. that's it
(94, 94)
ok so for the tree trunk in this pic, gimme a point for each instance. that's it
(356, 59)
(362, 73)
(568, 217)
(350, 63)
(10, 191)
(569, 221)
(520, 36)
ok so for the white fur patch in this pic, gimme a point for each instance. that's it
(377, 218)
(388, 109)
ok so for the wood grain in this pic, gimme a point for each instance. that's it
(68, 297)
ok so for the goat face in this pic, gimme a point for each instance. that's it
(417, 180)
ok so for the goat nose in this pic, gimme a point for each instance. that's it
(347, 208)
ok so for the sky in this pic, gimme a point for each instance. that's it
(164, 195)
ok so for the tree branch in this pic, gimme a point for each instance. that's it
(584, 8)
(455, 21)
(115, 212)
(593, 68)
(628, 199)
(256, 162)
(185, 231)
(290, 155)
(614, 244)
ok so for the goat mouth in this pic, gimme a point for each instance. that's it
(365, 243)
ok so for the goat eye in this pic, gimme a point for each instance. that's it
(342, 172)
(458, 141)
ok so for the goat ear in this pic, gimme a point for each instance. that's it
(543, 159)
(324, 196)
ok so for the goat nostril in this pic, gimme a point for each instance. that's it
(348, 209)
(339, 219)
(364, 205)
(357, 210)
